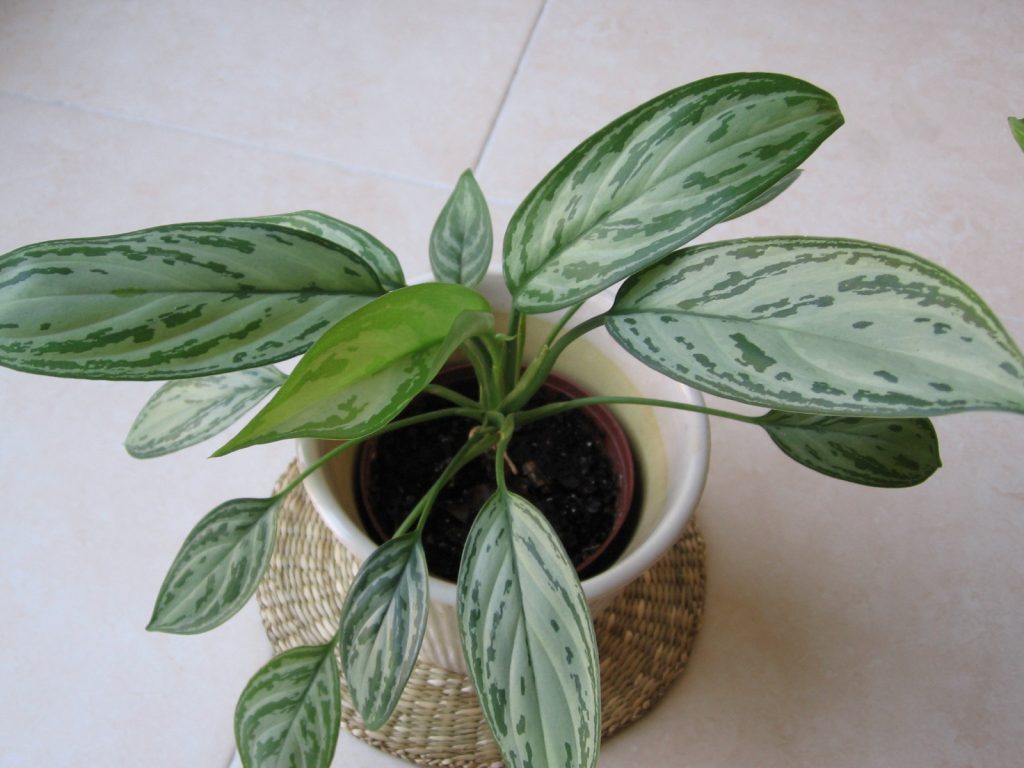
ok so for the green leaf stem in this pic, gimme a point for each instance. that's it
(187, 411)
(382, 626)
(817, 325)
(367, 368)
(462, 241)
(887, 453)
(290, 712)
(218, 567)
(657, 177)
(177, 301)
(528, 638)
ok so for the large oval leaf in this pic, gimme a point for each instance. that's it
(461, 241)
(175, 302)
(657, 177)
(365, 370)
(528, 638)
(382, 626)
(886, 453)
(822, 326)
(369, 249)
(218, 567)
(185, 412)
(290, 712)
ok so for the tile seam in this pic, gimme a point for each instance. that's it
(353, 168)
(508, 87)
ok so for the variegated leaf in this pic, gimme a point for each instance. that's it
(461, 242)
(657, 177)
(289, 714)
(887, 453)
(382, 626)
(185, 412)
(365, 370)
(528, 638)
(218, 567)
(1017, 129)
(367, 247)
(820, 326)
(174, 302)
(767, 196)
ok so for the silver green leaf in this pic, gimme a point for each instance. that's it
(461, 242)
(382, 626)
(528, 638)
(368, 248)
(657, 177)
(819, 325)
(218, 567)
(175, 302)
(767, 196)
(187, 411)
(886, 453)
(363, 371)
(290, 712)
(1017, 129)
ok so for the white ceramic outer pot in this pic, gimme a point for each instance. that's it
(670, 447)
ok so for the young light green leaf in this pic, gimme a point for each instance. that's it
(175, 302)
(1017, 129)
(461, 242)
(886, 453)
(767, 196)
(528, 638)
(218, 567)
(188, 411)
(818, 325)
(290, 712)
(382, 626)
(362, 372)
(657, 177)
(368, 248)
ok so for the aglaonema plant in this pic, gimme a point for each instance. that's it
(851, 346)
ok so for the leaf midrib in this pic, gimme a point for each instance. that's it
(289, 732)
(513, 539)
(783, 331)
(563, 249)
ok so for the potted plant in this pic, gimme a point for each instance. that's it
(670, 458)
(852, 346)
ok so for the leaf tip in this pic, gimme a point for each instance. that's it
(374, 722)
(134, 451)
(155, 625)
(236, 443)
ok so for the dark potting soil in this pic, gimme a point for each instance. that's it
(562, 468)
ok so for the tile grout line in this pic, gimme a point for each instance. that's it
(508, 88)
(353, 168)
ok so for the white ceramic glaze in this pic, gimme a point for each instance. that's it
(671, 448)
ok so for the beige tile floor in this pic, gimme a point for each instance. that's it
(845, 626)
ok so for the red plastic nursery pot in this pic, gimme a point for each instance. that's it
(577, 468)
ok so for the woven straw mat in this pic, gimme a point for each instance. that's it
(644, 640)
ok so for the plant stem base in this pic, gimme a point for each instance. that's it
(644, 640)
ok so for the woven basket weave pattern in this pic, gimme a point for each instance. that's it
(644, 640)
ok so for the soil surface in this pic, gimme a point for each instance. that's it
(562, 468)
